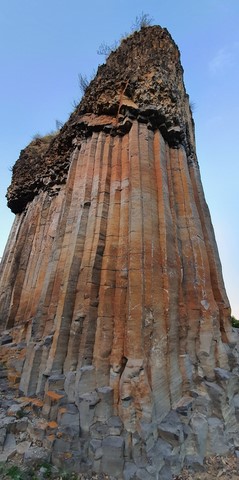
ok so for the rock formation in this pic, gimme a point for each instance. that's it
(113, 306)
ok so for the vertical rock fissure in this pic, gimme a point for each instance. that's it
(81, 206)
(117, 357)
(173, 277)
(39, 359)
(80, 312)
(160, 381)
(90, 275)
(46, 317)
(105, 320)
(25, 236)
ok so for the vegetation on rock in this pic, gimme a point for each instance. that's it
(235, 322)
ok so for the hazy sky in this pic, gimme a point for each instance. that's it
(45, 44)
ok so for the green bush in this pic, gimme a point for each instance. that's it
(235, 322)
(15, 473)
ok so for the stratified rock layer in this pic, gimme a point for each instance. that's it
(111, 286)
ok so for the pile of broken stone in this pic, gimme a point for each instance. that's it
(33, 432)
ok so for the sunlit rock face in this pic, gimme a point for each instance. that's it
(111, 285)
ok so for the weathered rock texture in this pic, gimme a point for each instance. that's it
(113, 305)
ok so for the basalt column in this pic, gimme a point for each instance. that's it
(111, 284)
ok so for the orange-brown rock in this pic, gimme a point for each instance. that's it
(111, 279)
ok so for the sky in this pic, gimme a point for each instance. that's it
(46, 44)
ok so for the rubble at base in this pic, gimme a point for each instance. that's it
(81, 433)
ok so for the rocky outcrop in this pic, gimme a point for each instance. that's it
(113, 307)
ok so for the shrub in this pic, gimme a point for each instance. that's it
(13, 472)
(143, 20)
(59, 124)
(235, 322)
(106, 50)
(83, 82)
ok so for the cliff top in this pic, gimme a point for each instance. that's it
(143, 79)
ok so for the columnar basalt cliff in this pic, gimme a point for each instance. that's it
(113, 307)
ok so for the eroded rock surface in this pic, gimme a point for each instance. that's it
(113, 307)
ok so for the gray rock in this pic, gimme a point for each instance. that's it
(70, 463)
(158, 453)
(68, 434)
(129, 471)
(174, 461)
(36, 455)
(113, 455)
(222, 375)
(9, 423)
(98, 454)
(95, 444)
(86, 405)
(104, 409)
(139, 454)
(69, 386)
(149, 443)
(127, 446)
(228, 380)
(62, 445)
(151, 469)
(236, 405)
(184, 406)
(99, 430)
(85, 380)
(14, 410)
(48, 340)
(217, 443)
(171, 429)
(55, 382)
(115, 425)
(96, 466)
(6, 339)
(215, 391)
(194, 462)
(70, 417)
(52, 402)
(37, 430)
(142, 474)
(221, 407)
(23, 447)
(199, 426)
(16, 364)
(3, 433)
(202, 402)
(21, 424)
(10, 442)
(95, 448)
(9, 447)
(165, 473)
(147, 429)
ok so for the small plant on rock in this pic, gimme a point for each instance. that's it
(83, 82)
(143, 20)
(15, 473)
(47, 471)
(106, 50)
(235, 322)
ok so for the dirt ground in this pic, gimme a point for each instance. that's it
(224, 468)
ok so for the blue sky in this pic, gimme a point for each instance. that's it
(45, 44)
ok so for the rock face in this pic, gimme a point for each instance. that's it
(112, 306)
